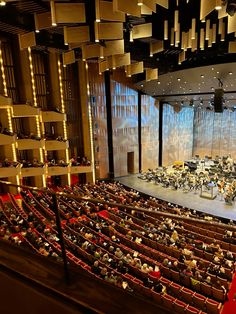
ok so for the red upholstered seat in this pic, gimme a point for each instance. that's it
(192, 310)
(199, 301)
(168, 301)
(213, 307)
(179, 307)
(175, 288)
(186, 295)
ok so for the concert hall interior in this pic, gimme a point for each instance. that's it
(118, 156)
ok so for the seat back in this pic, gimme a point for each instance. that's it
(179, 307)
(213, 307)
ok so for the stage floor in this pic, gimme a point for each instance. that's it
(191, 200)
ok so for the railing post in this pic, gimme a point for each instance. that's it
(61, 239)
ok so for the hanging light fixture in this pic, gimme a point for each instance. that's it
(193, 28)
(172, 37)
(207, 30)
(176, 20)
(166, 30)
(222, 37)
(218, 5)
(202, 39)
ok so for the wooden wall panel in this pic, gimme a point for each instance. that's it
(70, 12)
(110, 30)
(129, 7)
(114, 47)
(157, 46)
(151, 74)
(78, 34)
(107, 13)
(68, 57)
(206, 8)
(142, 31)
(91, 51)
(232, 47)
(27, 40)
(42, 20)
(231, 24)
(151, 4)
(145, 10)
(163, 3)
(134, 68)
(116, 61)
(103, 66)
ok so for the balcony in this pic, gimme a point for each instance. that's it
(32, 171)
(24, 144)
(52, 116)
(80, 169)
(9, 171)
(56, 145)
(20, 111)
(5, 102)
(7, 139)
(57, 170)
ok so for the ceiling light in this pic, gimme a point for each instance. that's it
(218, 5)
(141, 85)
(202, 76)
(54, 24)
(230, 73)
(212, 88)
(217, 72)
(140, 2)
(37, 31)
(190, 89)
(2, 3)
(212, 69)
(158, 82)
(178, 79)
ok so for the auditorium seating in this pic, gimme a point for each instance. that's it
(89, 226)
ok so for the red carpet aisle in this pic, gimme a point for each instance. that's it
(230, 306)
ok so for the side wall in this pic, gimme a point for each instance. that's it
(177, 134)
(214, 133)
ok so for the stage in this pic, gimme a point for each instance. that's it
(215, 207)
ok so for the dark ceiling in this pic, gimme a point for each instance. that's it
(18, 17)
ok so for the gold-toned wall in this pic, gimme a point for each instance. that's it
(177, 134)
(150, 132)
(125, 127)
(214, 133)
(98, 103)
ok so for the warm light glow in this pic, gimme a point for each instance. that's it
(90, 125)
(131, 36)
(3, 74)
(218, 5)
(37, 31)
(140, 2)
(2, 3)
(32, 76)
(166, 30)
(98, 20)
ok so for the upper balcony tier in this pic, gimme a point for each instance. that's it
(25, 111)
(25, 144)
(52, 116)
(7, 139)
(80, 169)
(5, 102)
(32, 171)
(56, 145)
(57, 171)
(9, 171)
